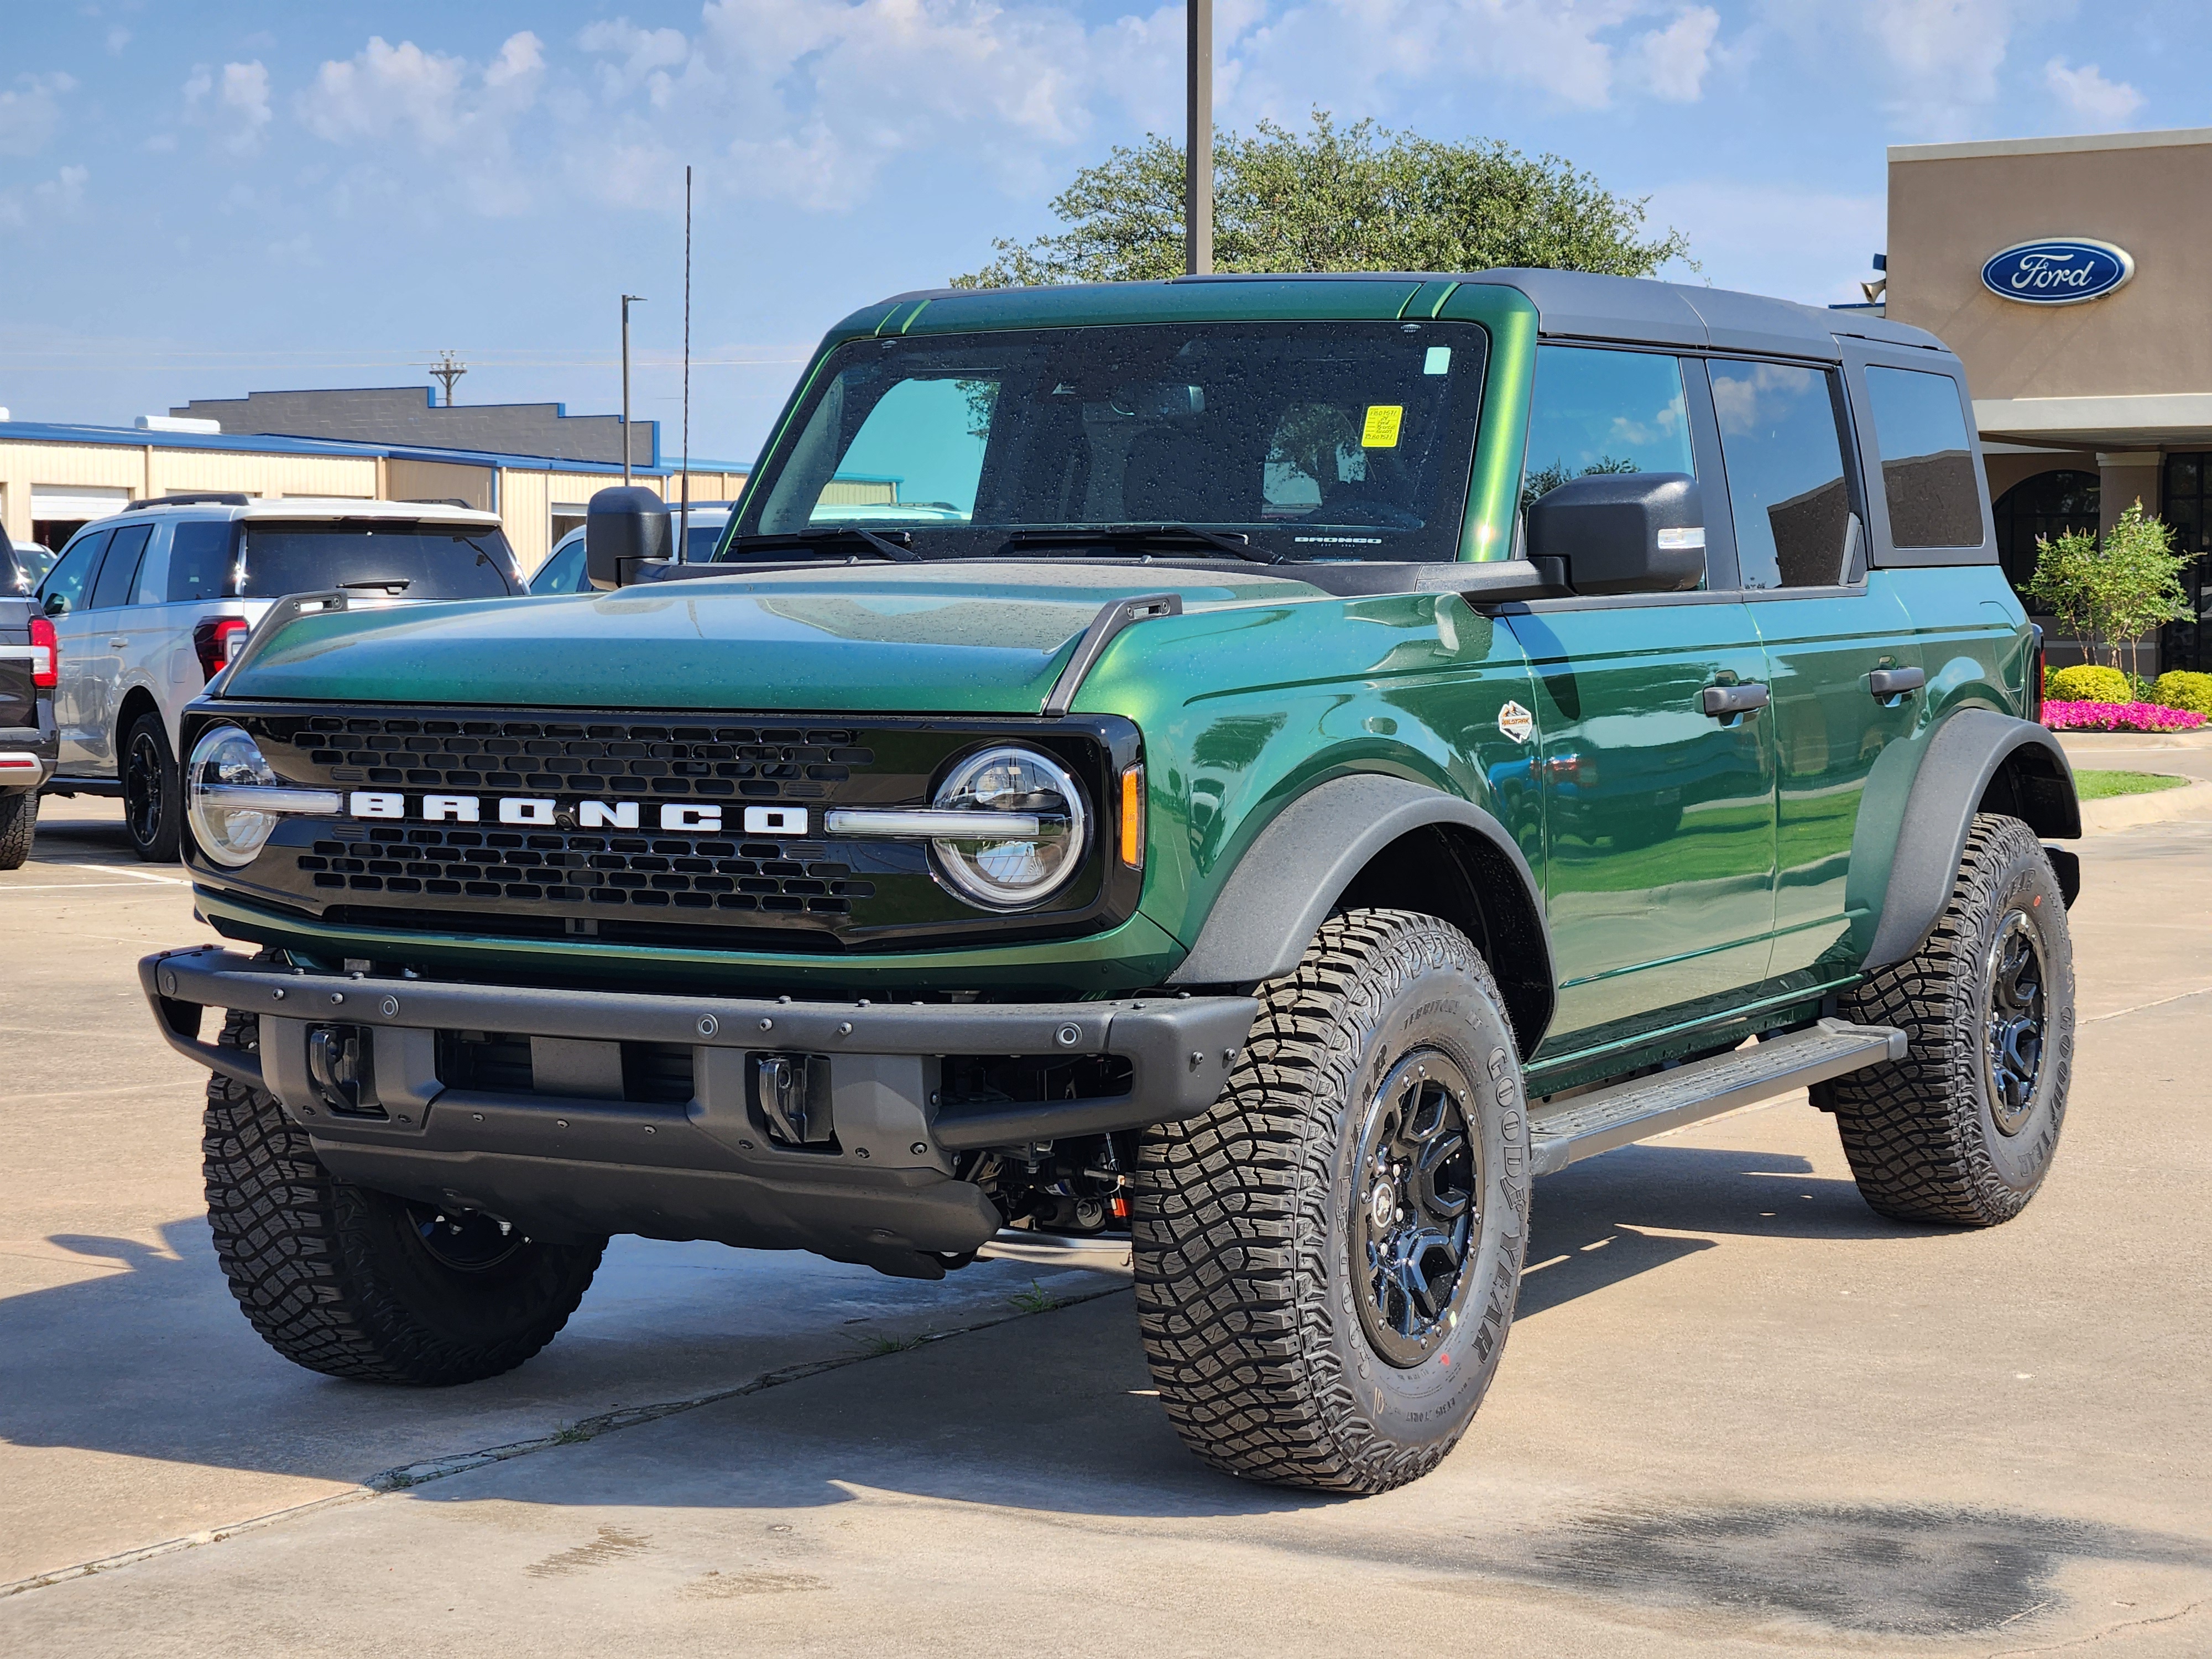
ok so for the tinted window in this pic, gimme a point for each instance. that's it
(1595, 411)
(1927, 465)
(200, 553)
(408, 560)
(1336, 440)
(1783, 446)
(70, 576)
(563, 573)
(121, 572)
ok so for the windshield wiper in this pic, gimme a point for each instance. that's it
(390, 584)
(894, 546)
(1148, 534)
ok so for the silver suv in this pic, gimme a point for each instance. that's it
(148, 605)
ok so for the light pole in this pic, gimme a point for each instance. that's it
(627, 301)
(1198, 159)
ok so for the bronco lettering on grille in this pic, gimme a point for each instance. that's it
(544, 811)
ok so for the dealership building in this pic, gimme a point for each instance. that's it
(2073, 278)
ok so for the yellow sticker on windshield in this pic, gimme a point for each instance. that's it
(1381, 431)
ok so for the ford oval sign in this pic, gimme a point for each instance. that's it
(2062, 271)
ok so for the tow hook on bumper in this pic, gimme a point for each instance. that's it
(749, 1120)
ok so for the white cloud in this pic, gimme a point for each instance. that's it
(118, 38)
(1674, 59)
(1942, 58)
(30, 110)
(232, 105)
(385, 88)
(2087, 92)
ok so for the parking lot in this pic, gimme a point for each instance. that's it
(1740, 1413)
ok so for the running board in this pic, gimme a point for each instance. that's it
(1628, 1112)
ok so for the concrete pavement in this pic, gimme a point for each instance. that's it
(1738, 1413)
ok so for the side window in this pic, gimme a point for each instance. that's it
(1927, 463)
(119, 574)
(152, 586)
(1782, 442)
(1597, 410)
(199, 559)
(563, 573)
(72, 573)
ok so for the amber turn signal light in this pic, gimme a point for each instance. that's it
(1132, 816)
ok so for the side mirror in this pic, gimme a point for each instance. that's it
(1623, 532)
(622, 529)
(57, 604)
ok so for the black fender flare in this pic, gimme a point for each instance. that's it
(1977, 760)
(1300, 865)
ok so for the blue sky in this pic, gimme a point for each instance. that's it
(204, 200)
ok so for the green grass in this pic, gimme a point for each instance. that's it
(2103, 786)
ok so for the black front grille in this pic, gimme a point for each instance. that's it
(593, 757)
(640, 872)
(610, 860)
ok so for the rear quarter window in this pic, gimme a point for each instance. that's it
(1927, 462)
(406, 561)
(201, 553)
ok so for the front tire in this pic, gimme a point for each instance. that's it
(1327, 1261)
(152, 811)
(359, 1283)
(1964, 1128)
(19, 824)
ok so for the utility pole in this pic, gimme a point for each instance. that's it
(1198, 129)
(627, 300)
(684, 514)
(448, 369)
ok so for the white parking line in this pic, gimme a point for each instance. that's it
(80, 886)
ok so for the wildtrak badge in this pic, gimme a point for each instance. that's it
(542, 812)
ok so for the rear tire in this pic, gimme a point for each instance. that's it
(359, 1283)
(1964, 1128)
(151, 809)
(1327, 1261)
(19, 824)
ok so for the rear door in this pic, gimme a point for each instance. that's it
(106, 649)
(1844, 671)
(1659, 818)
(67, 595)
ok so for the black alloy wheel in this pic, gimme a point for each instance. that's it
(2012, 1044)
(1416, 1207)
(467, 1241)
(151, 809)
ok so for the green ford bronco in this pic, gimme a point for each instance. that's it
(1298, 759)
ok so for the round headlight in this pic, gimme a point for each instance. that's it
(1011, 871)
(224, 759)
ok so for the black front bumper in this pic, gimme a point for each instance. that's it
(576, 1152)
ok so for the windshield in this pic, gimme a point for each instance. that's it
(1311, 440)
(414, 561)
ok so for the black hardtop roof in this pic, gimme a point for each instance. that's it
(1586, 305)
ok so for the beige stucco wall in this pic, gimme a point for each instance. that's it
(1949, 214)
(150, 470)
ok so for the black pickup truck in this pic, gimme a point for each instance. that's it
(29, 743)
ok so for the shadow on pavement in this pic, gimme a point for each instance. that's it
(155, 1360)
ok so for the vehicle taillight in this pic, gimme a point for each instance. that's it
(215, 638)
(45, 654)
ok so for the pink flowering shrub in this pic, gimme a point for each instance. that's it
(2118, 717)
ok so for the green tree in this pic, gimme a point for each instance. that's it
(1360, 197)
(2111, 596)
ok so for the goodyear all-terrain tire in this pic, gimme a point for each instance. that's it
(359, 1283)
(19, 824)
(152, 804)
(1327, 1261)
(1963, 1129)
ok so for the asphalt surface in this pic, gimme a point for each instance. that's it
(1738, 1412)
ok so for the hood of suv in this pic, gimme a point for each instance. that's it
(985, 638)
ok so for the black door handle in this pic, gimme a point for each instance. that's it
(1896, 682)
(1722, 701)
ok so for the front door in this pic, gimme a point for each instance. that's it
(66, 594)
(1659, 816)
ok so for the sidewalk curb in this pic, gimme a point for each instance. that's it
(2191, 800)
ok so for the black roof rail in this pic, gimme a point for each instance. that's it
(440, 500)
(214, 497)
